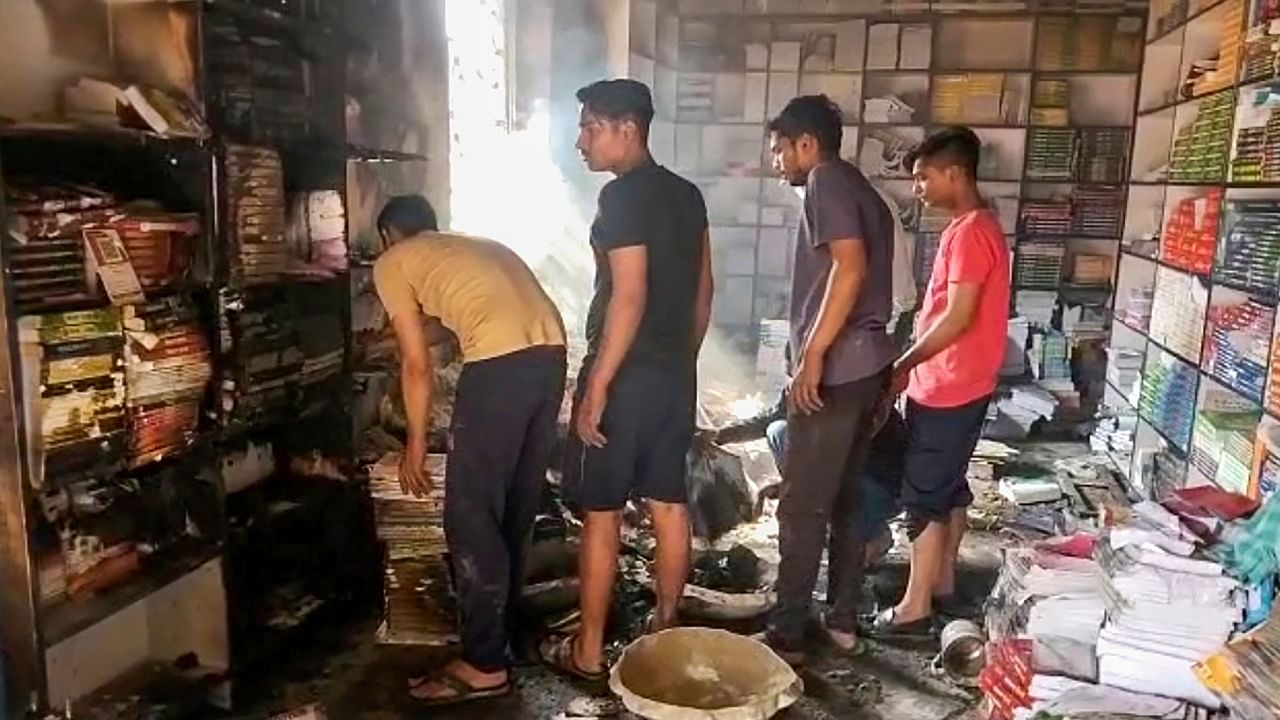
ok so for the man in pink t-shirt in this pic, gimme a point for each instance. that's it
(949, 373)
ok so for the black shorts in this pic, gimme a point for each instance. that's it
(648, 426)
(940, 443)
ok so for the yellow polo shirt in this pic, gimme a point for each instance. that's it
(479, 289)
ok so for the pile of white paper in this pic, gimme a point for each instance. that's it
(1075, 616)
(1063, 697)
(1176, 610)
(1067, 610)
(1124, 640)
(1124, 370)
(1057, 575)
(1027, 404)
(1115, 433)
(1028, 491)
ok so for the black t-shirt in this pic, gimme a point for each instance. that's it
(653, 207)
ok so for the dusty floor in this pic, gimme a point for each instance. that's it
(352, 677)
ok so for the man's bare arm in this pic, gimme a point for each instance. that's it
(417, 375)
(844, 283)
(629, 268)
(706, 291)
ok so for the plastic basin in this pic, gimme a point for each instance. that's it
(703, 674)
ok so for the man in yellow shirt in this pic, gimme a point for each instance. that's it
(504, 419)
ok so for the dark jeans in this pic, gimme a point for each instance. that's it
(880, 481)
(503, 433)
(822, 491)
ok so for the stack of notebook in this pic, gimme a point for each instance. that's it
(420, 608)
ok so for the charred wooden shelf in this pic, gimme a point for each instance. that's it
(67, 618)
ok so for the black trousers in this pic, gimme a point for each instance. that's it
(821, 503)
(503, 434)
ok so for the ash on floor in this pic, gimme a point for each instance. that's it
(350, 676)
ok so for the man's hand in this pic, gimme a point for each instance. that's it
(898, 384)
(804, 395)
(414, 478)
(590, 412)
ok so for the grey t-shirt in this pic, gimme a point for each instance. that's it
(840, 203)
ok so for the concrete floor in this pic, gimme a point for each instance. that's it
(352, 677)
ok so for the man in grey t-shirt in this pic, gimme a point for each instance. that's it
(841, 300)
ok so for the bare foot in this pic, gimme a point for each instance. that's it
(427, 688)
(661, 620)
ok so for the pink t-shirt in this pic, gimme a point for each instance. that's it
(972, 250)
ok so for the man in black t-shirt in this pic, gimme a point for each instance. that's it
(634, 406)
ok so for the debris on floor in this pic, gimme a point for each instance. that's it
(734, 570)
(587, 707)
(153, 691)
(731, 581)
(1029, 491)
(862, 689)
(720, 496)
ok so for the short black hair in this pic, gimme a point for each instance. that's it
(408, 214)
(619, 100)
(815, 115)
(954, 146)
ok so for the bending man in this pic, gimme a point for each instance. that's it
(504, 419)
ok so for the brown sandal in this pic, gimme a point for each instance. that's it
(558, 654)
(460, 691)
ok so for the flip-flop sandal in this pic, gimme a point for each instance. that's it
(883, 625)
(459, 691)
(557, 654)
(426, 677)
